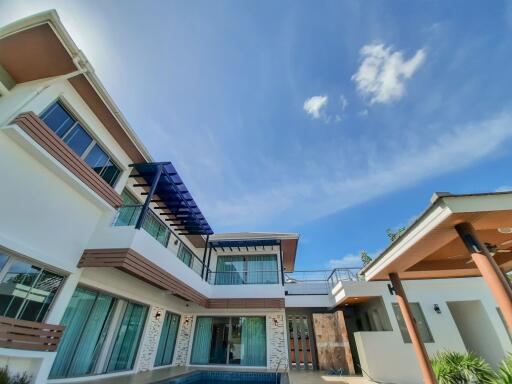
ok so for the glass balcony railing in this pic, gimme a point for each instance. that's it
(127, 215)
(243, 277)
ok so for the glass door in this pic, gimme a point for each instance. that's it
(230, 340)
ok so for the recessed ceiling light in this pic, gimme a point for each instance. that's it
(505, 230)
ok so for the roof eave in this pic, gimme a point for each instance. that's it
(80, 60)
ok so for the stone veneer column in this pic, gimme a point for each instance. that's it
(332, 344)
(277, 341)
(185, 333)
(151, 338)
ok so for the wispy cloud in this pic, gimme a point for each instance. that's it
(315, 105)
(317, 194)
(348, 261)
(343, 102)
(504, 188)
(382, 74)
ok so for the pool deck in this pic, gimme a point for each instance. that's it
(318, 377)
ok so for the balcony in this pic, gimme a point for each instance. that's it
(128, 215)
(29, 335)
(243, 277)
(317, 288)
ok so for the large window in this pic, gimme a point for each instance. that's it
(168, 337)
(419, 319)
(246, 269)
(230, 340)
(79, 140)
(102, 334)
(26, 290)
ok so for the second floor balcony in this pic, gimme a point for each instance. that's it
(128, 216)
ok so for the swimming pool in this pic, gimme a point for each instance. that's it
(221, 377)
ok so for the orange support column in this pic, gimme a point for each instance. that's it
(491, 272)
(419, 347)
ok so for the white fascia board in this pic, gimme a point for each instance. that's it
(479, 203)
(436, 216)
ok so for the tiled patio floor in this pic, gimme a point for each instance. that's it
(321, 378)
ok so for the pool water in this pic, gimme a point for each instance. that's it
(221, 377)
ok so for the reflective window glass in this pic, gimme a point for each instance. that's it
(27, 291)
(78, 140)
(58, 119)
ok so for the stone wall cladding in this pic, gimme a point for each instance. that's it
(183, 342)
(332, 344)
(277, 353)
(151, 338)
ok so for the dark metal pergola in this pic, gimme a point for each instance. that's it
(166, 188)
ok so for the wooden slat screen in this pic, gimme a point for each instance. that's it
(29, 335)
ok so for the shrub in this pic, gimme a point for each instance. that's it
(7, 378)
(504, 375)
(460, 368)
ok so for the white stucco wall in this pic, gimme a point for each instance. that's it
(384, 355)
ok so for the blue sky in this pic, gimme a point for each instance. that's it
(334, 119)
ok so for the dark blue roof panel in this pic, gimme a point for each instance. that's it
(175, 197)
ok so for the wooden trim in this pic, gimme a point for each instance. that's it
(131, 262)
(289, 249)
(29, 335)
(55, 146)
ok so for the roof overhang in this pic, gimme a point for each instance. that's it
(431, 248)
(39, 47)
(287, 241)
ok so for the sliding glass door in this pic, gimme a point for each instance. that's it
(168, 337)
(102, 334)
(246, 269)
(230, 340)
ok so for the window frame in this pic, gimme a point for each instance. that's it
(94, 138)
(395, 305)
(180, 317)
(12, 259)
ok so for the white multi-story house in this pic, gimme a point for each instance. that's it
(108, 267)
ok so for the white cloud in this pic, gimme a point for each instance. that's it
(348, 261)
(504, 188)
(316, 194)
(343, 102)
(382, 74)
(314, 105)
